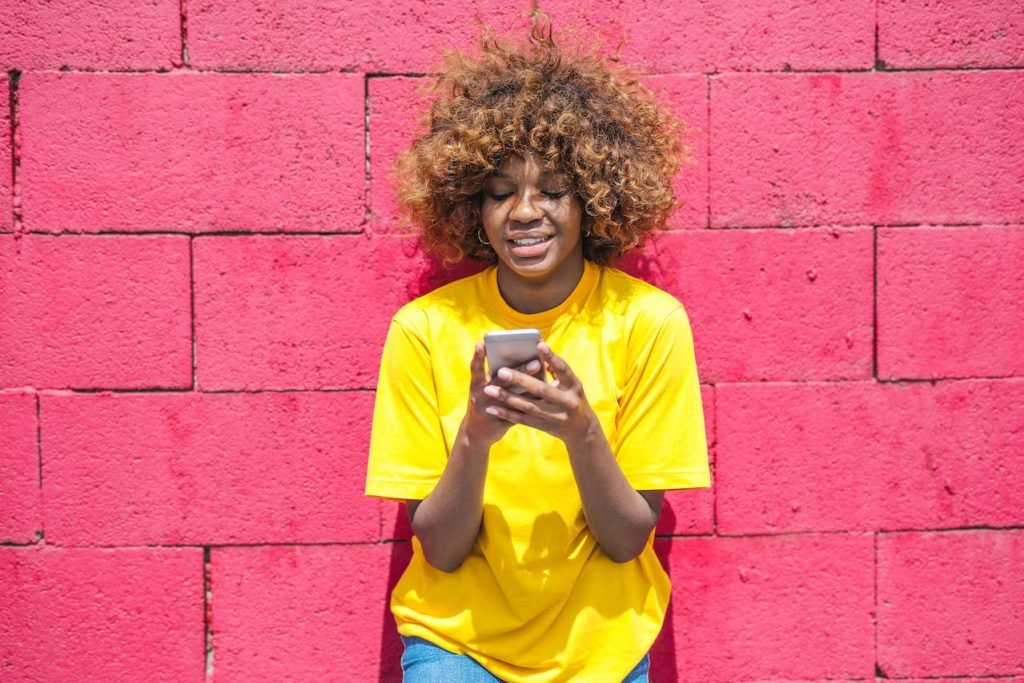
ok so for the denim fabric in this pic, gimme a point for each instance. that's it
(424, 662)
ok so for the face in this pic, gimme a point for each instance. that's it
(532, 219)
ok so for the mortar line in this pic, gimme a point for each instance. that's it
(367, 176)
(387, 541)
(879, 64)
(341, 233)
(14, 135)
(183, 25)
(41, 531)
(707, 143)
(189, 390)
(415, 74)
(192, 309)
(207, 614)
(874, 302)
(874, 620)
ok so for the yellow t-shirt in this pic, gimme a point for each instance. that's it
(537, 600)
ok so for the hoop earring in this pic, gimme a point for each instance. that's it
(480, 236)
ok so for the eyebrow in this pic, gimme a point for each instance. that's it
(544, 174)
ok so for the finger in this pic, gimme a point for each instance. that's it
(477, 376)
(506, 414)
(559, 368)
(531, 385)
(524, 403)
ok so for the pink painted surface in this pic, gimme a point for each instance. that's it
(301, 312)
(856, 148)
(102, 616)
(20, 514)
(839, 501)
(84, 34)
(192, 152)
(310, 613)
(95, 312)
(820, 457)
(770, 304)
(787, 607)
(720, 35)
(951, 302)
(946, 33)
(197, 468)
(951, 601)
(394, 36)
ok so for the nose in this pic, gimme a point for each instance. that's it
(525, 209)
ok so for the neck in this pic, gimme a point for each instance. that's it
(535, 295)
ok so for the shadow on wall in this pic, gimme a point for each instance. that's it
(390, 644)
(663, 654)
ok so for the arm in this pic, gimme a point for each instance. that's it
(620, 517)
(447, 521)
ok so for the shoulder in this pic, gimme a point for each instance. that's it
(639, 301)
(438, 305)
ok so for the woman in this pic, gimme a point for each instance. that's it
(533, 512)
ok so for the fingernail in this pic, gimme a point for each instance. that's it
(491, 410)
(505, 373)
(492, 391)
(533, 366)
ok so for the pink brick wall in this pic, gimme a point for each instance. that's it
(200, 252)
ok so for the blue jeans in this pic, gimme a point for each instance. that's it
(424, 662)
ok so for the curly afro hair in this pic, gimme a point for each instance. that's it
(601, 127)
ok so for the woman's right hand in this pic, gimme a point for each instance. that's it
(480, 427)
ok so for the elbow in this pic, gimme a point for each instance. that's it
(625, 552)
(621, 556)
(442, 562)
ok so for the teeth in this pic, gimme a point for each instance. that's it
(529, 241)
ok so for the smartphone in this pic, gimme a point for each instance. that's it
(510, 349)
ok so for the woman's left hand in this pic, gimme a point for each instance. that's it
(559, 408)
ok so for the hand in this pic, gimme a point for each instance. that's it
(481, 426)
(559, 408)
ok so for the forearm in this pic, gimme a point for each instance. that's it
(620, 517)
(447, 521)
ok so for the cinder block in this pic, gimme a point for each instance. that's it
(693, 511)
(950, 302)
(817, 457)
(951, 604)
(396, 108)
(391, 36)
(81, 34)
(307, 613)
(103, 616)
(95, 311)
(867, 148)
(686, 95)
(20, 515)
(782, 607)
(719, 35)
(188, 468)
(770, 304)
(945, 33)
(301, 312)
(192, 151)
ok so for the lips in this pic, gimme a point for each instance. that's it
(528, 246)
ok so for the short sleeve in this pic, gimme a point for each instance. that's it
(660, 441)
(407, 448)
